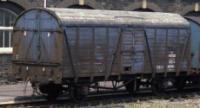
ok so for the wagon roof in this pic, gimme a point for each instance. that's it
(85, 17)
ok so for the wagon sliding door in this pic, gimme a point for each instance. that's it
(133, 51)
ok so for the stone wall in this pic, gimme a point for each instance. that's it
(176, 6)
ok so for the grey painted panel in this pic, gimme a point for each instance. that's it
(195, 46)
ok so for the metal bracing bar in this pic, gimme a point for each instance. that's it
(145, 65)
(178, 62)
(118, 50)
(190, 57)
(177, 59)
(198, 67)
(149, 53)
(29, 45)
(106, 51)
(70, 56)
(114, 56)
(93, 56)
(166, 52)
(42, 41)
(76, 76)
(113, 87)
(38, 22)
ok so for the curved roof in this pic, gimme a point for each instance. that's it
(78, 17)
(85, 17)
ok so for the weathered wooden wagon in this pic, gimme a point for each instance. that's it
(54, 47)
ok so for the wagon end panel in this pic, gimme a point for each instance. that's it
(37, 47)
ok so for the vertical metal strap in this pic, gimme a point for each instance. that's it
(149, 53)
(145, 61)
(189, 58)
(154, 49)
(70, 56)
(198, 67)
(166, 53)
(114, 56)
(106, 51)
(29, 45)
(177, 59)
(119, 47)
(44, 46)
(182, 56)
(93, 71)
(38, 18)
(3, 43)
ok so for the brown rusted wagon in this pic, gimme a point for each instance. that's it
(72, 49)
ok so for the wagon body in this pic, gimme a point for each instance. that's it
(71, 44)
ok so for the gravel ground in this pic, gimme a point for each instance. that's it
(177, 103)
(178, 100)
(188, 102)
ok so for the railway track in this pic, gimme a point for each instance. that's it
(103, 98)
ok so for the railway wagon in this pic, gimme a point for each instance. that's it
(70, 49)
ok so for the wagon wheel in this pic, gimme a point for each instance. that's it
(180, 84)
(131, 86)
(196, 81)
(161, 85)
(52, 95)
(79, 92)
(51, 90)
(157, 88)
